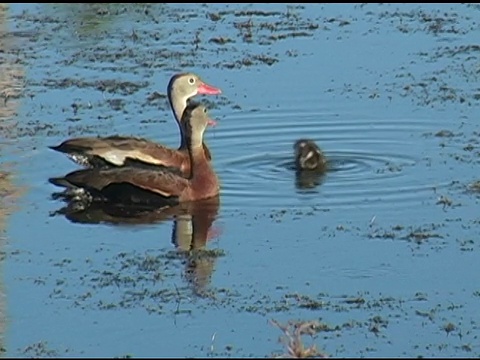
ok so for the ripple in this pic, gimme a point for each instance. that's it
(370, 160)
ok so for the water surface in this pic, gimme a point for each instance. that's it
(382, 250)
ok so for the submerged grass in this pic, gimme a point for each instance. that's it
(293, 332)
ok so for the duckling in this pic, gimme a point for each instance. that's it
(308, 156)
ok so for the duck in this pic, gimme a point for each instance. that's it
(308, 156)
(150, 185)
(116, 150)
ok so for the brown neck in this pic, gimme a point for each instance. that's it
(198, 160)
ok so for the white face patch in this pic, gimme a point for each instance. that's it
(310, 154)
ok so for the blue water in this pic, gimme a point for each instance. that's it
(392, 222)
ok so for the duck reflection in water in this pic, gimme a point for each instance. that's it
(191, 231)
(193, 226)
(310, 164)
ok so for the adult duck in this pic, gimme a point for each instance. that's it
(117, 150)
(151, 185)
(308, 156)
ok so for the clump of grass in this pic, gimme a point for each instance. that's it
(475, 186)
(292, 339)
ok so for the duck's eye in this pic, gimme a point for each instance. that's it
(205, 110)
(191, 81)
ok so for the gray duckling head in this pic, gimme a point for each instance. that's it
(308, 156)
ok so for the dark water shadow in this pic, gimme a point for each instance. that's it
(307, 179)
(192, 228)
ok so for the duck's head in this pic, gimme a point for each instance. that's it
(308, 156)
(187, 85)
(196, 119)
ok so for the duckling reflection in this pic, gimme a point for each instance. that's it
(310, 164)
(192, 229)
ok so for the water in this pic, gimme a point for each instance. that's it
(382, 249)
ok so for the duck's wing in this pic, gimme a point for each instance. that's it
(115, 150)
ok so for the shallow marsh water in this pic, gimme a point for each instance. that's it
(382, 250)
